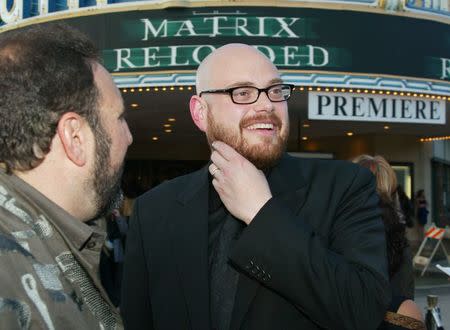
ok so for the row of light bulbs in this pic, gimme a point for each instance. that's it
(374, 91)
(155, 89)
(429, 139)
(436, 138)
(301, 89)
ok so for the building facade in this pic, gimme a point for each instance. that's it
(371, 76)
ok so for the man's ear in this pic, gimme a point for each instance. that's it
(73, 136)
(198, 110)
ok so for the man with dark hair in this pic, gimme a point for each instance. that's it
(257, 240)
(63, 139)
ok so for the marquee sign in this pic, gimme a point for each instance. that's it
(379, 108)
(293, 38)
(299, 39)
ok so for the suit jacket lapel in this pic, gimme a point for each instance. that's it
(287, 182)
(190, 245)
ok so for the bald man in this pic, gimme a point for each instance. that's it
(256, 239)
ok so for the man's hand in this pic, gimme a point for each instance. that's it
(242, 188)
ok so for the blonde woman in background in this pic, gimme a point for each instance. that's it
(399, 256)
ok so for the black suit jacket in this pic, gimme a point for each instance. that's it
(313, 257)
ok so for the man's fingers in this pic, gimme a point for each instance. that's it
(216, 186)
(225, 150)
(214, 170)
(218, 159)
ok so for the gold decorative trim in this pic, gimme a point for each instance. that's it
(404, 321)
(287, 71)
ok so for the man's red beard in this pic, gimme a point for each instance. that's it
(263, 155)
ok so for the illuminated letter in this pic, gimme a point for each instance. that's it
(266, 50)
(123, 59)
(312, 54)
(242, 27)
(445, 68)
(215, 24)
(186, 25)
(285, 27)
(197, 50)
(290, 53)
(14, 15)
(155, 32)
(73, 4)
(148, 57)
(174, 55)
(43, 7)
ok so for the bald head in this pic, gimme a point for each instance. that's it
(231, 64)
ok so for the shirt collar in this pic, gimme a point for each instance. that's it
(74, 231)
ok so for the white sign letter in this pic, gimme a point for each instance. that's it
(186, 26)
(289, 54)
(445, 68)
(266, 50)
(215, 24)
(148, 26)
(152, 56)
(123, 59)
(285, 27)
(11, 16)
(312, 52)
(197, 50)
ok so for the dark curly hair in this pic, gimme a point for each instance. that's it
(46, 70)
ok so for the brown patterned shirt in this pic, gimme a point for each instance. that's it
(48, 265)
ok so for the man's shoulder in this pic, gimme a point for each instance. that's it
(170, 188)
(336, 175)
(333, 167)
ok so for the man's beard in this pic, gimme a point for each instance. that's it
(263, 155)
(106, 181)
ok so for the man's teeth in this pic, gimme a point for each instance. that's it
(260, 126)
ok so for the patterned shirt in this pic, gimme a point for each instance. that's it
(48, 265)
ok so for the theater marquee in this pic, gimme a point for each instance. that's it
(377, 108)
(317, 40)
(145, 44)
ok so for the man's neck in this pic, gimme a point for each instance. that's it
(56, 188)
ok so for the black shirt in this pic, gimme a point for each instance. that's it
(223, 231)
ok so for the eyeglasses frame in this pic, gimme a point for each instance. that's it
(229, 91)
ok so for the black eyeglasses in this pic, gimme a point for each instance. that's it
(250, 94)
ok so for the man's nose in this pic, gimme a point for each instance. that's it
(264, 103)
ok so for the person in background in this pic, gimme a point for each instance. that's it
(421, 206)
(257, 239)
(401, 272)
(111, 260)
(406, 207)
(112, 256)
(63, 140)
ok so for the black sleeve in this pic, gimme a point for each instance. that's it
(135, 306)
(340, 284)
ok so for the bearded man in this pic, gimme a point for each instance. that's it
(257, 239)
(63, 139)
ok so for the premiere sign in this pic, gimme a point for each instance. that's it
(377, 108)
